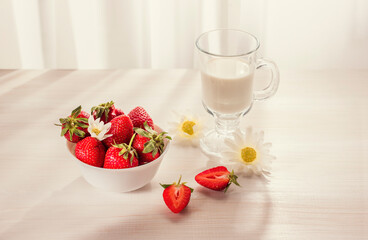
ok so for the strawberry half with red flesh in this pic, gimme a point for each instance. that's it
(176, 196)
(139, 116)
(121, 130)
(218, 178)
(106, 111)
(149, 143)
(90, 151)
(75, 127)
(121, 156)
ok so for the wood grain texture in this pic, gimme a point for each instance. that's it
(318, 189)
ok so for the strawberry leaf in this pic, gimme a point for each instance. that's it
(149, 129)
(76, 111)
(63, 131)
(165, 185)
(122, 150)
(71, 133)
(62, 120)
(149, 148)
(82, 125)
(232, 178)
(142, 132)
(154, 152)
(85, 120)
(107, 113)
(102, 109)
(79, 133)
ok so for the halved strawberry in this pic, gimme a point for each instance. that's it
(75, 127)
(218, 178)
(139, 116)
(149, 143)
(90, 151)
(106, 111)
(121, 156)
(176, 196)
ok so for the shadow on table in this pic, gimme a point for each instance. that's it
(78, 210)
(240, 212)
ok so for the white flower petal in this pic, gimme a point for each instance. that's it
(89, 129)
(260, 136)
(90, 120)
(267, 145)
(107, 126)
(231, 144)
(105, 136)
(97, 124)
(248, 134)
(181, 137)
(94, 135)
(102, 132)
(238, 138)
(100, 125)
(231, 156)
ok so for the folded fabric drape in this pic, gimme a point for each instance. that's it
(99, 34)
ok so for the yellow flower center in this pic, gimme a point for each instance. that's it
(248, 154)
(187, 127)
(96, 131)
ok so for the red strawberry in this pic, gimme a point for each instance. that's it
(138, 144)
(148, 143)
(121, 156)
(218, 178)
(75, 127)
(138, 116)
(90, 151)
(176, 196)
(121, 130)
(106, 111)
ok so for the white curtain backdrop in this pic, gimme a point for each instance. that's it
(100, 34)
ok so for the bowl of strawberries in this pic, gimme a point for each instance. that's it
(114, 151)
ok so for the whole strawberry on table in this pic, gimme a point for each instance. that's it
(107, 138)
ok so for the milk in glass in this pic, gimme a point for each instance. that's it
(227, 85)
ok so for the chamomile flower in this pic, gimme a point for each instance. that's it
(248, 154)
(187, 129)
(98, 129)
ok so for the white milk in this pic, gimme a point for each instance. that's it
(227, 86)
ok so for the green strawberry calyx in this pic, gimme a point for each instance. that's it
(72, 123)
(102, 109)
(156, 140)
(127, 149)
(176, 184)
(232, 179)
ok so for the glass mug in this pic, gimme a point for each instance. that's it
(228, 60)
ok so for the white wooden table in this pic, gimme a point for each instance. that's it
(317, 122)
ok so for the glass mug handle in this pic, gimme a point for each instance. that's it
(271, 89)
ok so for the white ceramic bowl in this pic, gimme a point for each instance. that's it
(120, 180)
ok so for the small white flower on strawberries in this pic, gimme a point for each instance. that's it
(98, 129)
